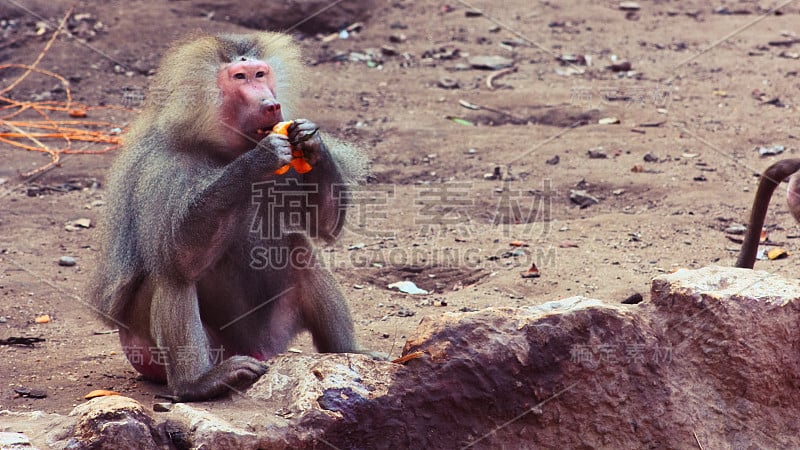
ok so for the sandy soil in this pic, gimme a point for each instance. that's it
(679, 168)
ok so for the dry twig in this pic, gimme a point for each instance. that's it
(29, 134)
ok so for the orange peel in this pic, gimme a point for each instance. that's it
(299, 162)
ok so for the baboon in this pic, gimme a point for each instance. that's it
(203, 267)
(770, 180)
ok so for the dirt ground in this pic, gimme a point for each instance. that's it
(707, 86)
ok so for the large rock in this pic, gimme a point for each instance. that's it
(710, 361)
(114, 422)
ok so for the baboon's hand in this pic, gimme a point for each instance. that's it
(241, 371)
(278, 146)
(304, 135)
(234, 374)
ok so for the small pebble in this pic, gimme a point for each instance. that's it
(736, 229)
(649, 157)
(67, 261)
(162, 407)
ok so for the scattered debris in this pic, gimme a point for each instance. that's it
(476, 107)
(408, 287)
(629, 6)
(460, 121)
(490, 62)
(735, 239)
(784, 42)
(608, 121)
(519, 244)
(650, 157)
(497, 74)
(67, 261)
(532, 272)
(765, 99)
(569, 71)
(469, 105)
(30, 393)
(442, 53)
(722, 10)
(578, 60)
(597, 153)
(771, 150)
(24, 341)
(398, 38)
(497, 174)
(622, 66)
(448, 83)
(775, 102)
(789, 55)
(582, 198)
(78, 224)
(405, 312)
(652, 124)
(77, 184)
(736, 228)
(98, 333)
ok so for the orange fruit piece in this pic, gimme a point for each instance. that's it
(283, 169)
(100, 393)
(299, 163)
(282, 127)
(45, 318)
